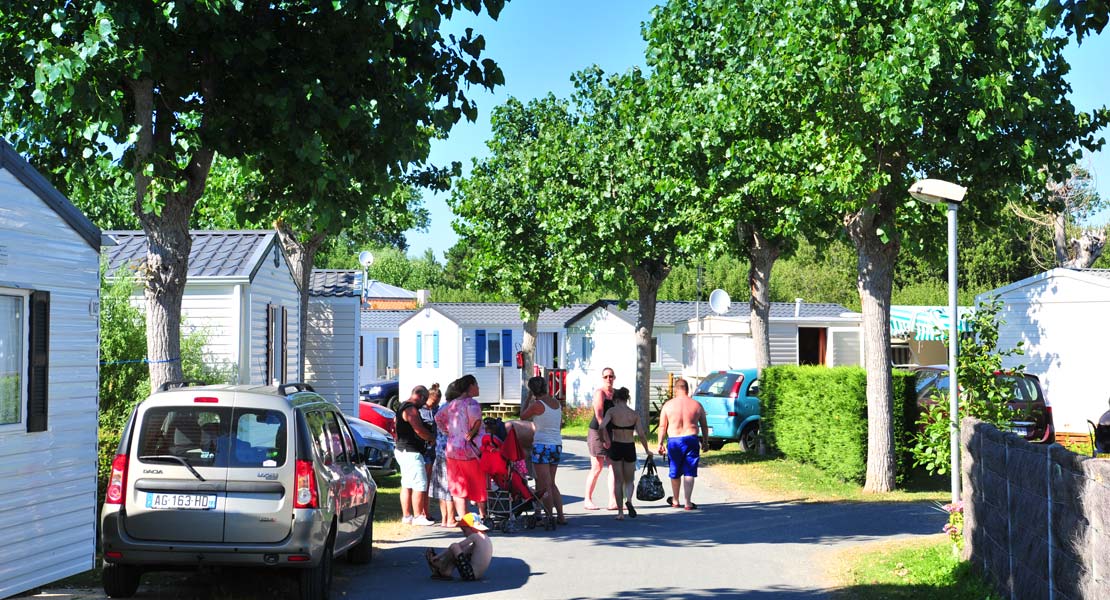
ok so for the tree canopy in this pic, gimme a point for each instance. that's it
(149, 94)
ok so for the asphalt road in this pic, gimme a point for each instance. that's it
(731, 547)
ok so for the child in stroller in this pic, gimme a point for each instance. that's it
(509, 497)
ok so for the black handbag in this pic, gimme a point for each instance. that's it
(650, 488)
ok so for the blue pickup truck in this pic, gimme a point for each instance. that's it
(731, 402)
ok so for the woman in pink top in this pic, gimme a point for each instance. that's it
(461, 419)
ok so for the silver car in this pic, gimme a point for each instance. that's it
(236, 476)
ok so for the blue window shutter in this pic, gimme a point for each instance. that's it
(419, 350)
(435, 349)
(506, 347)
(480, 348)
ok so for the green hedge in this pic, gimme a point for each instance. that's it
(818, 415)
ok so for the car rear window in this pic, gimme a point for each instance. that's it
(717, 384)
(214, 436)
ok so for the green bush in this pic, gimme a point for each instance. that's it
(818, 415)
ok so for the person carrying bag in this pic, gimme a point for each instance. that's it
(650, 487)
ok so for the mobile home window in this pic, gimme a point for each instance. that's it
(493, 348)
(654, 350)
(13, 356)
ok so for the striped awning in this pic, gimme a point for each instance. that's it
(925, 322)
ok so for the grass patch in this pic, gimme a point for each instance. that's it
(779, 479)
(907, 570)
(576, 422)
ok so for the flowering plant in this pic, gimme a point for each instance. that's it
(955, 525)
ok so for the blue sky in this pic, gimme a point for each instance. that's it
(540, 43)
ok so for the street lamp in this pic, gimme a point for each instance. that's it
(935, 191)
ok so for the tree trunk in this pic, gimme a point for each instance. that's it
(649, 276)
(762, 254)
(876, 277)
(300, 257)
(167, 266)
(168, 239)
(528, 348)
(1060, 238)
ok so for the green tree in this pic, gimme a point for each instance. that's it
(622, 197)
(753, 166)
(967, 92)
(168, 86)
(500, 209)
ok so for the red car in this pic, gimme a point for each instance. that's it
(378, 415)
(1035, 412)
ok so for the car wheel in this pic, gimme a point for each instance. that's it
(393, 404)
(363, 552)
(716, 444)
(749, 437)
(120, 581)
(315, 583)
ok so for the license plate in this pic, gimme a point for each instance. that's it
(1022, 431)
(710, 431)
(180, 501)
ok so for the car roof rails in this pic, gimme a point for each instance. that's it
(170, 385)
(296, 386)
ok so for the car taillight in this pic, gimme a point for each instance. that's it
(736, 388)
(206, 399)
(117, 482)
(306, 486)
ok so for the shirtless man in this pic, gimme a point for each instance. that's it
(679, 420)
(471, 556)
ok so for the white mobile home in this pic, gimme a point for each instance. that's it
(1060, 315)
(380, 344)
(799, 333)
(49, 351)
(443, 341)
(689, 340)
(240, 293)
(331, 340)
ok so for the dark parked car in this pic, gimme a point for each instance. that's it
(377, 446)
(382, 392)
(1034, 421)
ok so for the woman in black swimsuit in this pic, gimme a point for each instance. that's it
(618, 431)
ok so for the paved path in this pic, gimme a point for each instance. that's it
(731, 547)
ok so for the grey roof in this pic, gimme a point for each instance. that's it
(214, 253)
(384, 319)
(669, 312)
(11, 161)
(556, 318)
(377, 289)
(484, 313)
(1103, 273)
(500, 313)
(335, 283)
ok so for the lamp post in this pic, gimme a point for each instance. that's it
(935, 191)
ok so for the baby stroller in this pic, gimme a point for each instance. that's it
(1100, 435)
(509, 498)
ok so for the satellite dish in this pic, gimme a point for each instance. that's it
(365, 258)
(719, 301)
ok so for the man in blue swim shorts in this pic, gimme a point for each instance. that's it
(680, 421)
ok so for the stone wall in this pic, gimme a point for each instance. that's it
(1037, 517)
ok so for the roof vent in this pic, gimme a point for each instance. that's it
(797, 307)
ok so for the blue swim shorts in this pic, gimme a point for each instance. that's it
(684, 453)
(546, 454)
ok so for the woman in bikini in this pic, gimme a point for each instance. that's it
(618, 430)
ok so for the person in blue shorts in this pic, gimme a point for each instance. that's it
(682, 423)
